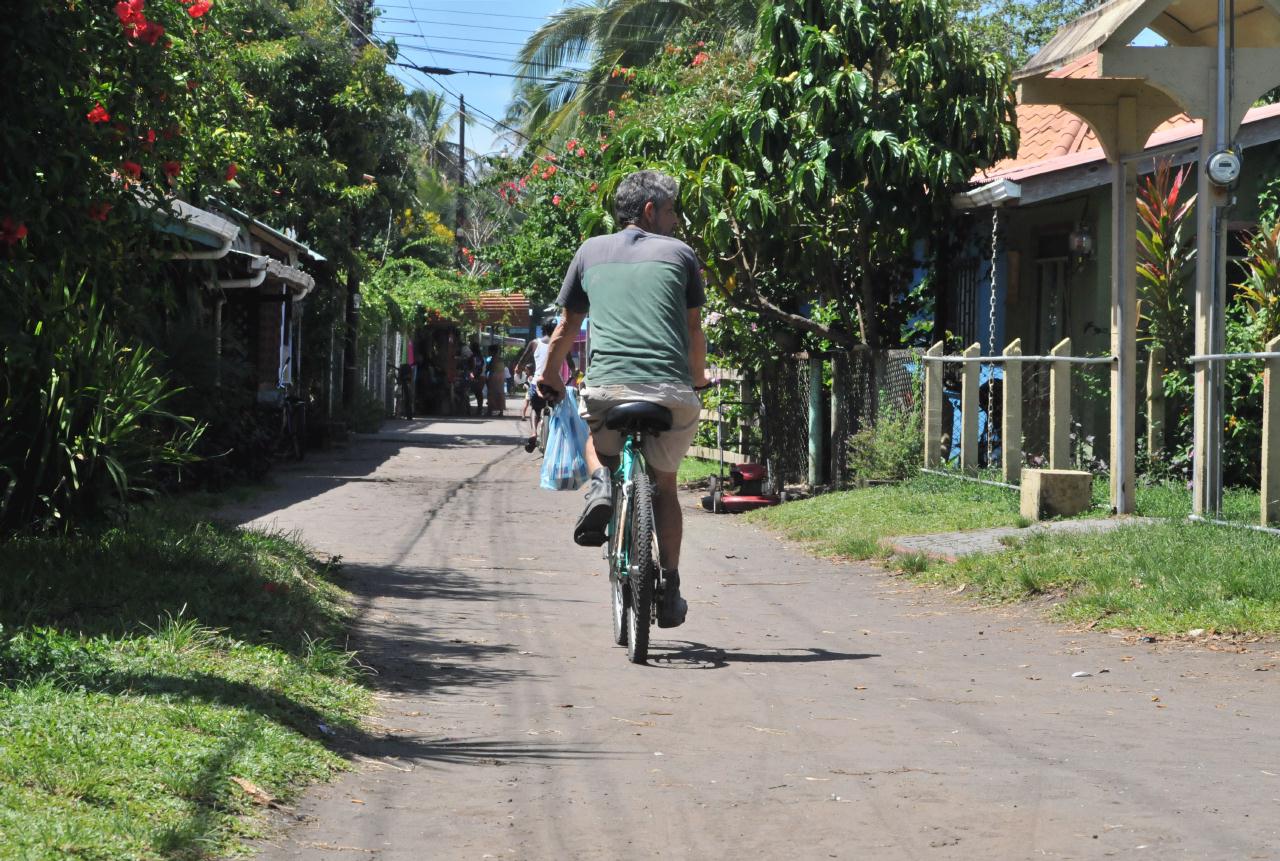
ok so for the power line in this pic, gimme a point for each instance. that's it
(440, 70)
(369, 39)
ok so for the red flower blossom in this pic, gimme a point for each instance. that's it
(613, 115)
(98, 114)
(555, 200)
(549, 172)
(199, 8)
(151, 136)
(572, 145)
(132, 168)
(522, 183)
(191, 85)
(132, 18)
(232, 170)
(581, 153)
(171, 169)
(151, 33)
(594, 186)
(12, 232)
(551, 157)
(98, 211)
(603, 147)
(701, 58)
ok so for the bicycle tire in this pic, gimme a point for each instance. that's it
(543, 430)
(617, 585)
(640, 574)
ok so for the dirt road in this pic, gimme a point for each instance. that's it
(806, 710)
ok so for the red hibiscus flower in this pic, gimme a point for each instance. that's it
(171, 169)
(98, 211)
(12, 232)
(151, 136)
(151, 33)
(132, 168)
(701, 58)
(199, 8)
(572, 145)
(232, 170)
(549, 172)
(98, 114)
(555, 200)
(581, 153)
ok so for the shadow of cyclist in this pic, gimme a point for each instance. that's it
(688, 655)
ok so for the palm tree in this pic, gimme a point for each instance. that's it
(603, 35)
(433, 129)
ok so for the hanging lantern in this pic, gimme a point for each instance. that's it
(1080, 242)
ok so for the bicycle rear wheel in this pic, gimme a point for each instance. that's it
(640, 574)
(617, 579)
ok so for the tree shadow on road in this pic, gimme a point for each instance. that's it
(687, 655)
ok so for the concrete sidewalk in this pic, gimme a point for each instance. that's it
(950, 546)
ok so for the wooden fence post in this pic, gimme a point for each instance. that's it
(933, 409)
(1011, 416)
(969, 409)
(1155, 402)
(1271, 438)
(1060, 408)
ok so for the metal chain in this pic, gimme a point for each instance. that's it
(991, 329)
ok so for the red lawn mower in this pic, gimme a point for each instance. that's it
(745, 490)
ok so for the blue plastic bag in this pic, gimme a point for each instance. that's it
(564, 466)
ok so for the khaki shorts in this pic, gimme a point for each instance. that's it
(664, 451)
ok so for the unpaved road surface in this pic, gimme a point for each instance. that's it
(807, 709)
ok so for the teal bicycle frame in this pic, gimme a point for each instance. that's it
(620, 543)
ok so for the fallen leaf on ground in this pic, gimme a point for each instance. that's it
(635, 722)
(251, 789)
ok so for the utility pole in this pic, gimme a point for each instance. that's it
(462, 167)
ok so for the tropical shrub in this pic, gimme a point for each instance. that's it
(85, 420)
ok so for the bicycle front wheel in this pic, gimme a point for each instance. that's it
(640, 573)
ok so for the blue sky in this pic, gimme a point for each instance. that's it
(440, 32)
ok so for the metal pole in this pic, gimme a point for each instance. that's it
(462, 167)
(816, 435)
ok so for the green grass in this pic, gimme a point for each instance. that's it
(852, 523)
(1164, 578)
(695, 469)
(143, 668)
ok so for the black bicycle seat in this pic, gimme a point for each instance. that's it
(638, 416)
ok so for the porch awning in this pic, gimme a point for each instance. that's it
(494, 307)
(1185, 23)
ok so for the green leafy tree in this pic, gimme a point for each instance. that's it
(806, 187)
(1016, 29)
(610, 37)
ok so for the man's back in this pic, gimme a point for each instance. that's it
(638, 288)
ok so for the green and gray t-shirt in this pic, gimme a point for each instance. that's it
(638, 288)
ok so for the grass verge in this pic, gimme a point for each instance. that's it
(1163, 578)
(694, 470)
(852, 523)
(144, 668)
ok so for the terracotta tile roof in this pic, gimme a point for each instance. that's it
(1052, 132)
(497, 307)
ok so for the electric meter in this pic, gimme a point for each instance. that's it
(1224, 167)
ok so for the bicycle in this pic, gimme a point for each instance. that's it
(635, 578)
(291, 436)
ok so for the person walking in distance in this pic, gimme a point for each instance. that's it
(475, 376)
(535, 403)
(644, 291)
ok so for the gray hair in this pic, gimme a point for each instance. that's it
(638, 189)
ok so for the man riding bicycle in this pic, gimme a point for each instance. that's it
(645, 292)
